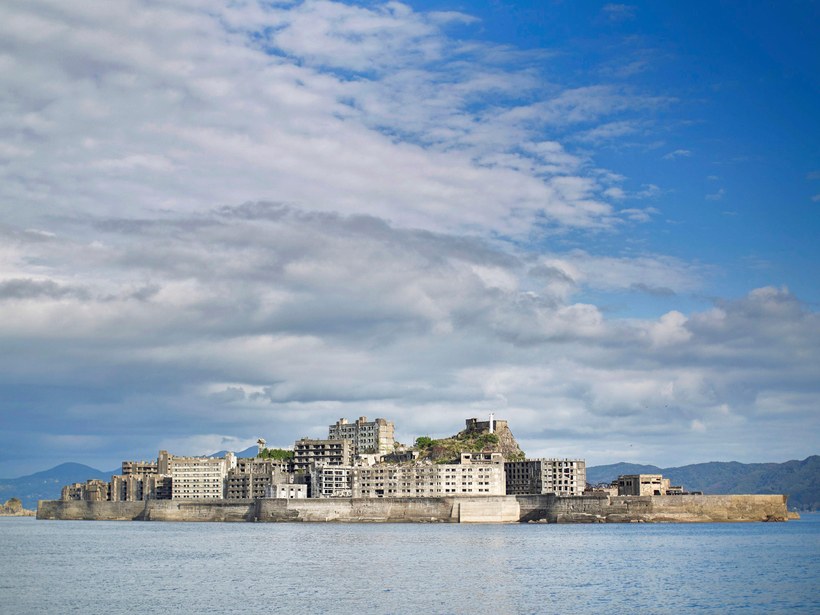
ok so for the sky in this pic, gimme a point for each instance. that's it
(221, 221)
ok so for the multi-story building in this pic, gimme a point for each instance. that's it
(157, 487)
(197, 478)
(251, 477)
(428, 480)
(126, 488)
(534, 476)
(367, 436)
(327, 481)
(329, 452)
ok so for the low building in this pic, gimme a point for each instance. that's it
(565, 477)
(367, 436)
(647, 484)
(328, 452)
(288, 491)
(401, 457)
(92, 490)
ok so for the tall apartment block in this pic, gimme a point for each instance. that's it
(535, 476)
(196, 478)
(367, 436)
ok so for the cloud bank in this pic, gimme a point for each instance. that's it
(225, 221)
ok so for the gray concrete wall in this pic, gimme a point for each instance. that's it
(150, 510)
(478, 509)
(200, 510)
(654, 509)
(489, 510)
(414, 510)
(90, 511)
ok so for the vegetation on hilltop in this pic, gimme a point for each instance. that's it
(275, 453)
(448, 450)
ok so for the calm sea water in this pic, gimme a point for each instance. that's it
(133, 567)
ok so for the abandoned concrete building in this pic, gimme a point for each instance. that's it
(366, 436)
(535, 476)
(251, 477)
(648, 484)
(330, 452)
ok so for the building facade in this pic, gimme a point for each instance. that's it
(251, 478)
(643, 484)
(92, 490)
(366, 436)
(328, 452)
(564, 477)
(138, 467)
(428, 480)
(288, 491)
(199, 478)
(329, 481)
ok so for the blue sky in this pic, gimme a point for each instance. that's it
(224, 221)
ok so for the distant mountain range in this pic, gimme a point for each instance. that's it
(800, 480)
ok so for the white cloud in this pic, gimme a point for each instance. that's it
(678, 153)
(716, 196)
(398, 253)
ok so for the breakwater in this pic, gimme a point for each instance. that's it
(486, 509)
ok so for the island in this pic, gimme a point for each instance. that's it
(360, 474)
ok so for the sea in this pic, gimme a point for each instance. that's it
(152, 567)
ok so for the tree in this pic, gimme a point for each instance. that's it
(275, 453)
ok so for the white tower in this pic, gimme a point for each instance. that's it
(492, 422)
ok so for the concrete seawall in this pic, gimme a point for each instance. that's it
(489, 509)
(653, 509)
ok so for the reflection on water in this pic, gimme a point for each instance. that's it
(113, 567)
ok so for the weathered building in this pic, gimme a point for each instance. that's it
(138, 467)
(643, 484)
(127, 488)
(564, 477)
(331, 481)
(92, 490)
(251, 477)
(428, 480)
(288, 491)
(197, 478)
(366, 436)
(328, 452)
